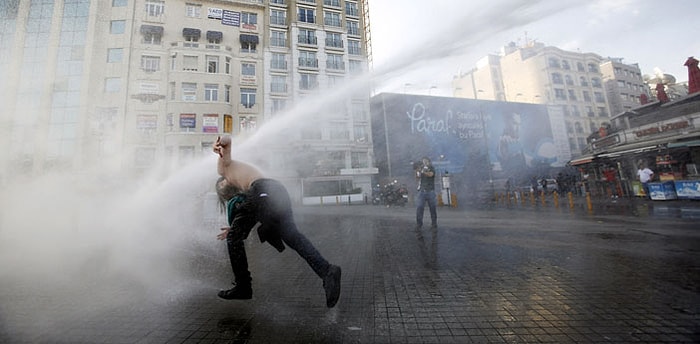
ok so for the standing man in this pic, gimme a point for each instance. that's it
(644, 174)
(425, 174)
(267, 206)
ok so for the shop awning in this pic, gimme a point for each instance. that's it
(249, 38)
(214, 35)
(190, 32)
(152, 30)
(582, 160)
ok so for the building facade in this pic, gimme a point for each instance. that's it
(585, 85)
(145, 83)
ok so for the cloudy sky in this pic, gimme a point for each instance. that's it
(418, 44)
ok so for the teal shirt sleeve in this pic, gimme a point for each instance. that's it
(232, 206)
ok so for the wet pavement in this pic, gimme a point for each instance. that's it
(504, 273)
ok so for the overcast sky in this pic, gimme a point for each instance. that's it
(425, 43)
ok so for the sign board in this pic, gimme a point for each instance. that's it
(231, 18)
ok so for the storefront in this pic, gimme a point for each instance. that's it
(662, 136)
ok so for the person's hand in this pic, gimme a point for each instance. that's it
(224, 233)
(221, 144)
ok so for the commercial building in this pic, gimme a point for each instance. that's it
(143, 83)
(588, 88)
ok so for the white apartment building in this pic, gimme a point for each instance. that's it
(585, 85)
(313, 48)
(144, 82)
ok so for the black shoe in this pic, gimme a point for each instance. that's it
(331, 284)
(238, 292)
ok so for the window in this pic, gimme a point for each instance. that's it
(584, 81)
(572, 95)
(113, 85)
(565, 64)
(308, 59)
(595, 82)
(278, 38)
(354, 47)
(602, 112)
(307, 36)
(589, 111)
(559, 94)
(306, 15)
(278, 61)
(339, 131)
(592, 126)
(586, 96)
(334, 40)
(115, 55)
(331, 18)
(151, 38)
(334, 61)
(360, 132)
(334, 80)
(351, 8)
(155, 8)
(579, 66)
(119, 3)
(228, 66)
(117, 27)
(599, 97)
(248, 69)
(248, 47)
(278, 17)
(150, 63)
(248, 18)
(556, 78)
(554, 62)
(278, 105)
(569, 128)
(247, 124)
(212, 64)
(579, 128)
(353, 28)
(228, 124)
(189, 91)
(171, 90)
(355, 66)
(569, 80)
(193, 10)
(335, 3)
(279, 2)
(189, 63)
(247, 97)
(227, 93)
(308, 81)
(358, 112)
(279, 84)
(592, 67)
(575, 111)
(211, 92)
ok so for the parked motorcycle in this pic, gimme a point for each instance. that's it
(394, 194)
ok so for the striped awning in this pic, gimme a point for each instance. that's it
(190, 32)
(152, 30)
(249, 38)
(214, 35)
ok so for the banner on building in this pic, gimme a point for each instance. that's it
(231, 18)
(210, 123)
(188, 120)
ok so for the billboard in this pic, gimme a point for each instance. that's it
(473, 140)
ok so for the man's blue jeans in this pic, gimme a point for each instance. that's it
(421, 198)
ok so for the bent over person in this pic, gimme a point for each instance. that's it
(268, 208)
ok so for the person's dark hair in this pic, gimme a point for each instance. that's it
(224, 192)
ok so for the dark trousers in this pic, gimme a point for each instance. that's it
(421, 198)
(274, 212)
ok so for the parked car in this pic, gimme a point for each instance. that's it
(551, 185)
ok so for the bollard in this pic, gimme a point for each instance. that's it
(542, 197)
(555, 196)
(349, 201)
(571, 200)
(588, 202)
(337, 200)
(532, 198)
(321, 197)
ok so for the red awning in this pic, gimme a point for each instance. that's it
(581, 160)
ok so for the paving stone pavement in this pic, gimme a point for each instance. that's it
(499, 275)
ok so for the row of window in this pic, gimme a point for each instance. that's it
(554, 62)
(561, 94)
(583, 81)
(574, 110)
(578, 127)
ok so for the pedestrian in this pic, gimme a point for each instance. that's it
(425, 175)
(267, 208)
(645, 174)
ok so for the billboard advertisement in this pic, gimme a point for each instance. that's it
(473, 140)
